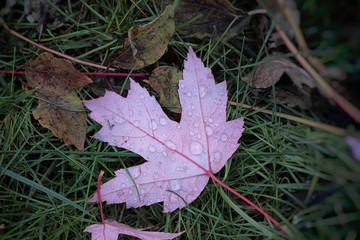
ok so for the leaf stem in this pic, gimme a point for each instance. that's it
(91, 73)
(13, 32)
(330, 93)
(248, 202)
(99, 196)
(322, 126)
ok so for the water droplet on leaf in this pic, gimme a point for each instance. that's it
(156, 175)
(209, 131)
(217, 157)
(175, 185)
(152, 149)
(170, 144)
(163, 121)
(203, 91)
(135, 172)
(223, 137)
(136, 123)
(196, 148)
(173, 198)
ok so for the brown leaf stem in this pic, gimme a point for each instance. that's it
(323, 85)
(89, 74)
(322, 126)
(13, 32)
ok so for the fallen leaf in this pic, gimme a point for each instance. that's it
(147, 43)
(112, 229)
(59, 108)
(165, 81)
(209, 18)
(180, 156)
(271, 71)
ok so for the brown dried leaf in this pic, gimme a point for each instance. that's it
(59, 108)
(269, 73)
(53, 76)
(147, 43)
(165, 80)
(206, 17)
(65, 117)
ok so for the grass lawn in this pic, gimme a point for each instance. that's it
(304, 177)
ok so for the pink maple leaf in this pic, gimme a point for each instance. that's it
(111, 230)
(180, 157)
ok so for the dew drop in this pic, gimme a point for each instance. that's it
(142, 96)
(196, 148)
(164, 154)
(163, 121)
(152, 149)
(217, 157)
(192, 133)
(135, 172)
(193, 107)
(198, 135)
(153, 125)
(175, 185)
(203, 91)
(170, 144)
(196, 125)
(223, 137)
(136, 123)
(209, 131)
(173, 198)
(182, 85)
(210, 120)
(156, 175)
(221, 93)
(188, 94)
(123, 185)
(189, 113)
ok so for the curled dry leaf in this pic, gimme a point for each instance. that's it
(59, 108)
(180, 156)
(270, 72)
(111, 231)
(165, 80)
(209, 17)
(147, 43)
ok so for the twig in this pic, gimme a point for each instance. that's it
(13, 32)
(324, 86)
(322, 126)
(90, 74)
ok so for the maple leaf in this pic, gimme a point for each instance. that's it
(111, 230)
(180, 157)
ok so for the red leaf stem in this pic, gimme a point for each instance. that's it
(99, 195)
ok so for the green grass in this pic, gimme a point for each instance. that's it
(304, 177)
